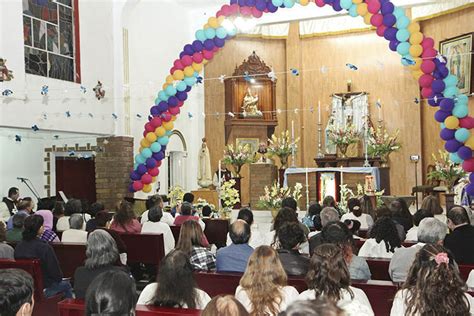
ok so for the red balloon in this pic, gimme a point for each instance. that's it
(178, 65)
(373, 6)
(137, 185)
(166, 116)
(246, 11)
(215, 49)
(149, 127)
(146, 178)
(180, 103)
(154, 171)
(174, 110)
(155, 122)
(466, 122)
(226, 10)
(425, 80)
(256, 13)
(428, 66)
(468, 165)
(376, 19)
(234, 8)
(429, 53)
(426, 92)
(427, 42)
(158, 164)
(320, 3)
(207, 54)
(186, 60)
(197, 57)
(219, 13)
(381, 30)
(172, 70)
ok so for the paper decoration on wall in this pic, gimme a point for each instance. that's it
(68, 113)
(272, 75)
(44, 90)
(99, 92)
(72, 153)
(199, 79)
(324, 69)
(7, 92)
(231, 114)
(5, 74)
(190, 115)
(416, 100)
(352, 67)
(221, 78)
(114, 116)
(91, 115)
(83, 89)
(138, 116)
(56, 136)
(247, 76)
(295, 72)
(35, 128)
(408, 61)
(18, 138)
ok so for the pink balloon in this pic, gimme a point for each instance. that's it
(219, 13)
(137, 185)
(373, 6)
(256, 13)
(427, 42)
(234, 8)
(180, 103)
(154, 171)
(425, 80)
(207, 54)
(426, 92)
(320, 3)
(146, 178)
(149, 127)
(178, 65)
(428, 66)
(197, 57)
(381, 30)
(166, 116)
(155, 122)
(186, 60)
(376, 19)
(429, 53)
(467, 122)
(246, 11)
(174, 110)
(468, 165)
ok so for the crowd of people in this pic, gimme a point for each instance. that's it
(319, 247)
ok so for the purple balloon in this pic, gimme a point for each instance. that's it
(130, 188)
(433, 102)
(188, 49)
(135, 176)
(447, 134)
(233, 1)
(219, 42)
(250, 3)
(387, 8)
(261, 5)
(241, 3)
(438, 62)
(155, 111)
(470, 189)
(271, 8)
(446, 105)
(208, 44)
(163, 106)
(444, 71)
(337, 5)
(158, 156)
(440, 116)
(471, 177)
(173, 101)
(198, 46)
(438, 86)
(182, 96)
(182, 54)
(437, 75)
(389, 20)
(328, 1)
(452, 146)
(151, 163)
(390, 34)
(465, 153)
(188, 88)
(393, 45)
(141, 169)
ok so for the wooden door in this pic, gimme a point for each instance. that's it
(76, 178)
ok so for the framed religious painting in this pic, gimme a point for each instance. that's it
(458, 52)
(251, 142)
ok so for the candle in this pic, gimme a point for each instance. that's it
(292, 130)
(219, 183)
(319, 112)
(307, 190)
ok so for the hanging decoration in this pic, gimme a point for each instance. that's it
(99, 91)
(352, 67)
(5, 73)
(44, 90)
(7, 92)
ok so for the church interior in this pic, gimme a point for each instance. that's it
(241, 103)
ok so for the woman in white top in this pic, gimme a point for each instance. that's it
(175, 285)
(155, 226)
(328, 276)
(383, 241)
(433, 286)
(263, 289)
(365, 220)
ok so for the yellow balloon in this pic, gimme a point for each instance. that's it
(145, 143)
(169, 79)
(160, 131)
(168, 125)
(153, 179)
(470, 142)
(357, 1)
(146, 188)
(416, 38)
(151, 137)
(304, 2)
(417, 74)
(414, 27)
(189, 71)
(416, 50)
(206, 26)
(362, 9)
(417, 64)
(197, 67)
(213, 22)
(178, 75)
(220, 19)
(367, 18)
(173, 118)
(163, 87)
(205, 61)
(451, 122)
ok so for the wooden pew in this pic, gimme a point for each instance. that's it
(70, 256)
(360, 242)
(43, 306)
(72, 307)
(175, 230)
(380, 293)
(216, 231)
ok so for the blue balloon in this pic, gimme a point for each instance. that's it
(402, 21)
(450, 92)
(200, 35)
(461, 99)
(289, 3)
(155, 147)
(190, 81)
(455, 158)
(146, 153)
(140, 159)
(168, 133)
(403, 48)
(451, 81)
(442, 125)
(460, 111)
(135, 165)
(221, 33)
(210, 33)
(170, 90)
(181, 86)
(405, 60)
(398, 12)
(277, 3)
(346, 4)
(403, 35)
(162, 96)
(462, 134)
(353, 11)
(163, 140)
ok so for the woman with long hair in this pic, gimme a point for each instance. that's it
(383, 240)
(328, 277)
(433, 286)
(286, 215)
(356, 214)
(175, 285)
(431, 204)
(224, 305)
(125, 220)
(263, 288)
(192, 243)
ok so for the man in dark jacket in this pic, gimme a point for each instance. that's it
(461, 239)
(290, 236)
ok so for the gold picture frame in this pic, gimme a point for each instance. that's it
(458, 52)
(251, 142)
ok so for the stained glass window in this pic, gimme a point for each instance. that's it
(49, 32)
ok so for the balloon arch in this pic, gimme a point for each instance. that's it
(417, 52)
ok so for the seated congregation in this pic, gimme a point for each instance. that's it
(303, 266)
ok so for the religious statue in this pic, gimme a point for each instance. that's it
(5, 73)
(261, 154)
(330, 147)
(204, 167)
(250, 105)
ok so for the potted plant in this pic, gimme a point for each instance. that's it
(343, 137)
(237, 157)
(275, 195)
(229, 197)
(382, 144)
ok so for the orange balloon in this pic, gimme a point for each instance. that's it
(416, 38)
(146, 188)
(160, 131)
(417, 74)
(416, 50)
(213, 22)
(145, 143)
(178, 75)
(169, 79)
(414, 27)
(362, 9)
(189, 71)
(197, 67)
(150, 137)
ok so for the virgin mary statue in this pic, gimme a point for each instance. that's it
(204, 168)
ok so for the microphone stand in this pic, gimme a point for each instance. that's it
(32, 187)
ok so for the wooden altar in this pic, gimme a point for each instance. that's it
(251, 76)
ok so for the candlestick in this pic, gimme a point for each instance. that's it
(293, 149)
(319, 112)
(307, 190)
(320, 153)
(366, 141)
(292, 129)
(219, 182)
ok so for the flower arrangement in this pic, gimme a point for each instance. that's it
(202, 202)
(345, 195)
(282, 147)
(237, 157)
(445, 170)
(382, 144)
(275, 195)
(229, 196)
(342, 137)
(175, 195)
